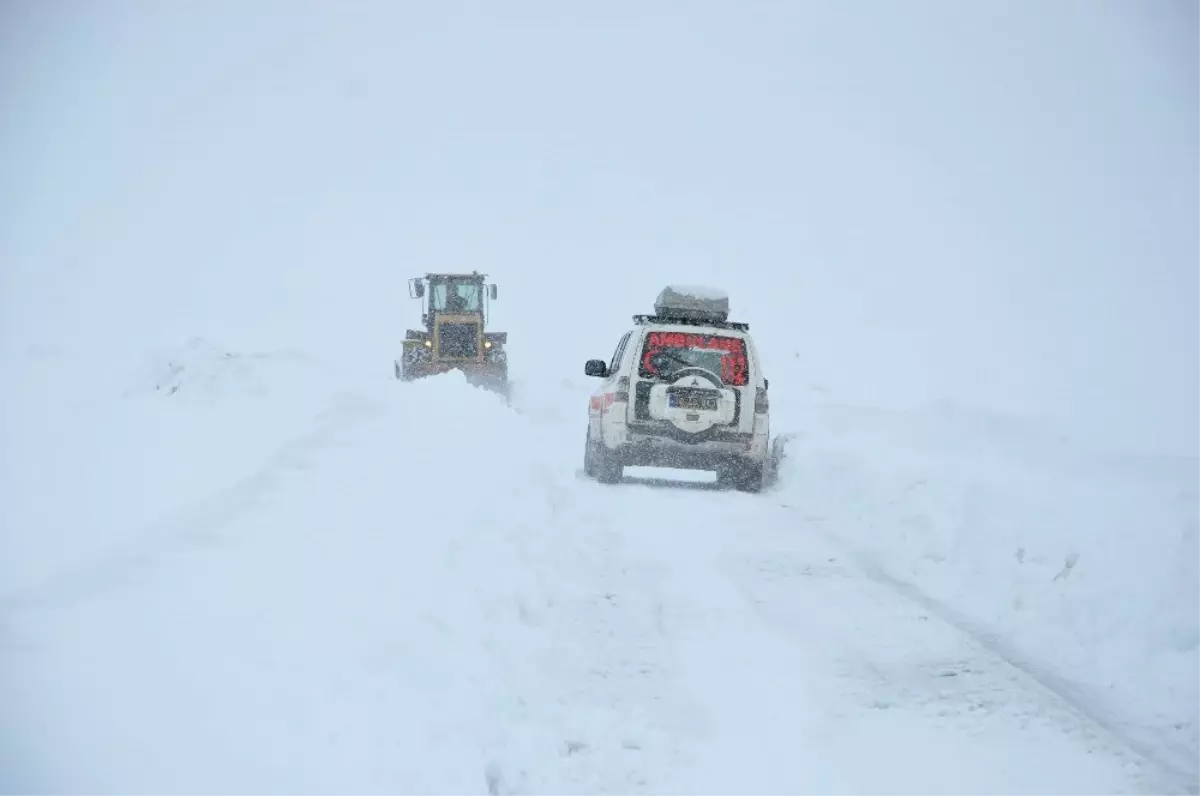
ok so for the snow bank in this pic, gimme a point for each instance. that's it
(93, 446)
(203, 372)
(1082, 562)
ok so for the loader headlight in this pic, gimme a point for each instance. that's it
(429, 344)
(487, 343)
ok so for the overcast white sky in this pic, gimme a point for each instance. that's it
(991, 201)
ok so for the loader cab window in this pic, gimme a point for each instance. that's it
(455, 297)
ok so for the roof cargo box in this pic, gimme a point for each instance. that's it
(686, 302)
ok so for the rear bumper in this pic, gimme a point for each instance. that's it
(658, 450)
(677, 458)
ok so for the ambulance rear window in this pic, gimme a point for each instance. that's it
(665, 353)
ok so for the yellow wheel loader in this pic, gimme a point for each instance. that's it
(454, 314)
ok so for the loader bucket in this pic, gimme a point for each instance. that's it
(493, 379)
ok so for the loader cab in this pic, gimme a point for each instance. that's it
(453, 294)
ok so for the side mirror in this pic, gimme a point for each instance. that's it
(416, 288)
(766, 384)
(595, 367)
(492, 291)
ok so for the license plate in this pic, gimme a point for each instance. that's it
(692, 401)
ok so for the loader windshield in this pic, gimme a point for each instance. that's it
(455, 297)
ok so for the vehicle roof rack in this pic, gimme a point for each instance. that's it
(472, 276)
(734, 325)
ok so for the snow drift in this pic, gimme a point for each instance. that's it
(1081, 563)
(94, 445)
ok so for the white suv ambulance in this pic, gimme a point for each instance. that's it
(685, 389)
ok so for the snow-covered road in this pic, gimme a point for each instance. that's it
(421, 594)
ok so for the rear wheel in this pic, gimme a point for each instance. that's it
(608, 469)
(744, 476)
(599, 462)
(589, 462)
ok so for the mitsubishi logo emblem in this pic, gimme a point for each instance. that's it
(694, 382)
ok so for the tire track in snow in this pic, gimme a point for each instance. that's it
(1061, 690)
(598, 695)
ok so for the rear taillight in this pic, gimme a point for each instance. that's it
(761, 402)
(622, 393)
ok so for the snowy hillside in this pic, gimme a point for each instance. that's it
(236, 555)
